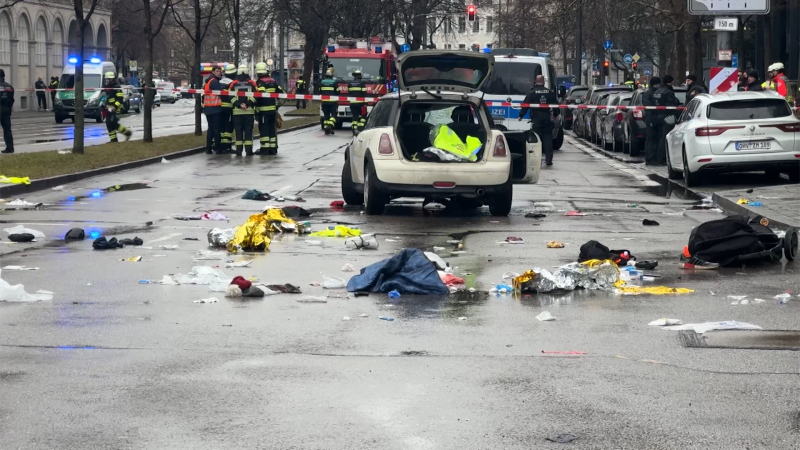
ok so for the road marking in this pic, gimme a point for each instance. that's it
(639, 175)
(164, 238)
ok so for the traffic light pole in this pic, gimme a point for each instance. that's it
(579, 48)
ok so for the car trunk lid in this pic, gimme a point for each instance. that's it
(444, 70)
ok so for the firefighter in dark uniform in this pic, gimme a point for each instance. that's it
(541, 121)
(664, 96)
(329, 107)
(357, 88)
(244, 110)
(114, 99)
(53, 86)
(226, 121)
(301, 89)
(651, 142)
(267, 110)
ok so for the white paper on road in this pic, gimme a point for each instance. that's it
(21, 229)
(701, 328)
(20, 268)
(664, 322)
(545, 316)
(207, 300)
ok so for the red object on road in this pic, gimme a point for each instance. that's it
(337, 204)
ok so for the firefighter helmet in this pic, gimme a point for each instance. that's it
(230, 69)
(357, 72)
(329, 73)
(261, 68)
(109, 75)
(776, 66)
(243, 69)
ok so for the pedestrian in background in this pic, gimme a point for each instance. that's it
(40, 95)
(6, 105)
(753, 83)
(212, 107)
(694, 87)
(541, 119)
(227, 109)
(742, 80)
(664, 96)
(651, 142)
(53, 92)
(301, 89)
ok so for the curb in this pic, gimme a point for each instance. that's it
(58, 180)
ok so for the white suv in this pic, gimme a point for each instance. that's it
(394, 155)
(734, 132)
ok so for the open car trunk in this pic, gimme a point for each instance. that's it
(441, 131)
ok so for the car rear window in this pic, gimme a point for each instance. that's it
(577, 93)
(749, 109)
(625, 102)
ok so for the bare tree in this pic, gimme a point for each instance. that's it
(152, 10)
(195, 20)
(312, 18)
(82, 17)
(245, 24)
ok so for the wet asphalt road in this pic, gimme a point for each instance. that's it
(113, 364)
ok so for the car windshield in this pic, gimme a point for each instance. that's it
(749, 109)
(89, 81)
(681, 96)
(343, 68)
(577, 93)
(512, 78)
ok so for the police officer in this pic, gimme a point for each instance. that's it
(358, 89)
(329, 107)
(651, 138)
(244, 110)
(694, 87)
(212, 107)
(664, 120)
(301, 89)
(753, 83)
(541, 122)
(267, 110)
(53, 86)
(226, 120)
(114, 102)
(6, 105)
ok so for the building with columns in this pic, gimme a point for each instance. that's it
(38, 36)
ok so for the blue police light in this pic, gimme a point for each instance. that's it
(487, 50)
(94, 234)
(73, 60)
(97, 194)
(379, 50)
(405, 48)
(610, 84)
(331, 49)
(94, 60)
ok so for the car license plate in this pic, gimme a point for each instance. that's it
(754, 145)
(347, 110)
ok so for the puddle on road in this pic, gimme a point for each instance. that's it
(97, 193)
(670, 190)
(739, 339)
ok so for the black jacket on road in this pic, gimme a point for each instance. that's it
(541, 117)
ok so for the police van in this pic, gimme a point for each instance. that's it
(514, 74)
(94, 97)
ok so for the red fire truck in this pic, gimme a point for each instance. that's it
(374, 59)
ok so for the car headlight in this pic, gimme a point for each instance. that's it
(58, 101)
(92, 101)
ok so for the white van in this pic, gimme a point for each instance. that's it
(93, 71)
(515, 71)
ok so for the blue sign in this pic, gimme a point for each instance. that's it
(647, 72)
(583, 55)
(594, 65)
(627, 58)
(405, 48)
(608, 44)
(735, 60)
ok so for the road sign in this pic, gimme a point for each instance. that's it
(583, 55)
(133, 65)
(724, 55)
(270, 62)
(726, 23)
(405, 48)
(723, 79)
(594, 65)
(608, 44)
(730, 7)
(628, 59)
(636, 57)
(735, 60)
(648, 72)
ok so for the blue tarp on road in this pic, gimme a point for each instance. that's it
(408, 272)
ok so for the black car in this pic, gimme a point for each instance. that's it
(634, 130)
(592, 97)
(573, 95)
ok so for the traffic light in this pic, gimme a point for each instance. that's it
(606, 65)
(634, 66)
(471, 13)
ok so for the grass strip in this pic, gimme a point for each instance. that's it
(311, 109)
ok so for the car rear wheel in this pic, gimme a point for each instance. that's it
(606, 144)
(500, 206)
(671, 173)
(374, 199)
(559, 140)
(349, 193)
(691, 179)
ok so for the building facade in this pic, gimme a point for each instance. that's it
(38, 36)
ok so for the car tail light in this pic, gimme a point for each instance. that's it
(385, 145)
(619, 117)
(638, 114)
(704, 160)
(714, 131)
(500, 147)
(444, 184)
(787, 127)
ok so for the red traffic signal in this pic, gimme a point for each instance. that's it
(634, 66)
(471, 13)
(606, 63)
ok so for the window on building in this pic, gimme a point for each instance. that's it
(448, 25)
(489, 24)
(41, 45)
(476, 25)
(462, 24)
(22, 45)
(462, 46)
(448, 46)
(5, 39)
(58, 40)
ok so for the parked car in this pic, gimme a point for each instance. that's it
(634, 127)
(133, 99)
(392, 156)
(167, 93)
(592, 97)
(574, 96)
(157, 99)
(611, 120)
(734, 132)
(593, 116)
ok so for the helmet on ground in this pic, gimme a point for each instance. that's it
(243, 69)
(230, 69)
(108, 75)
(261, 67)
